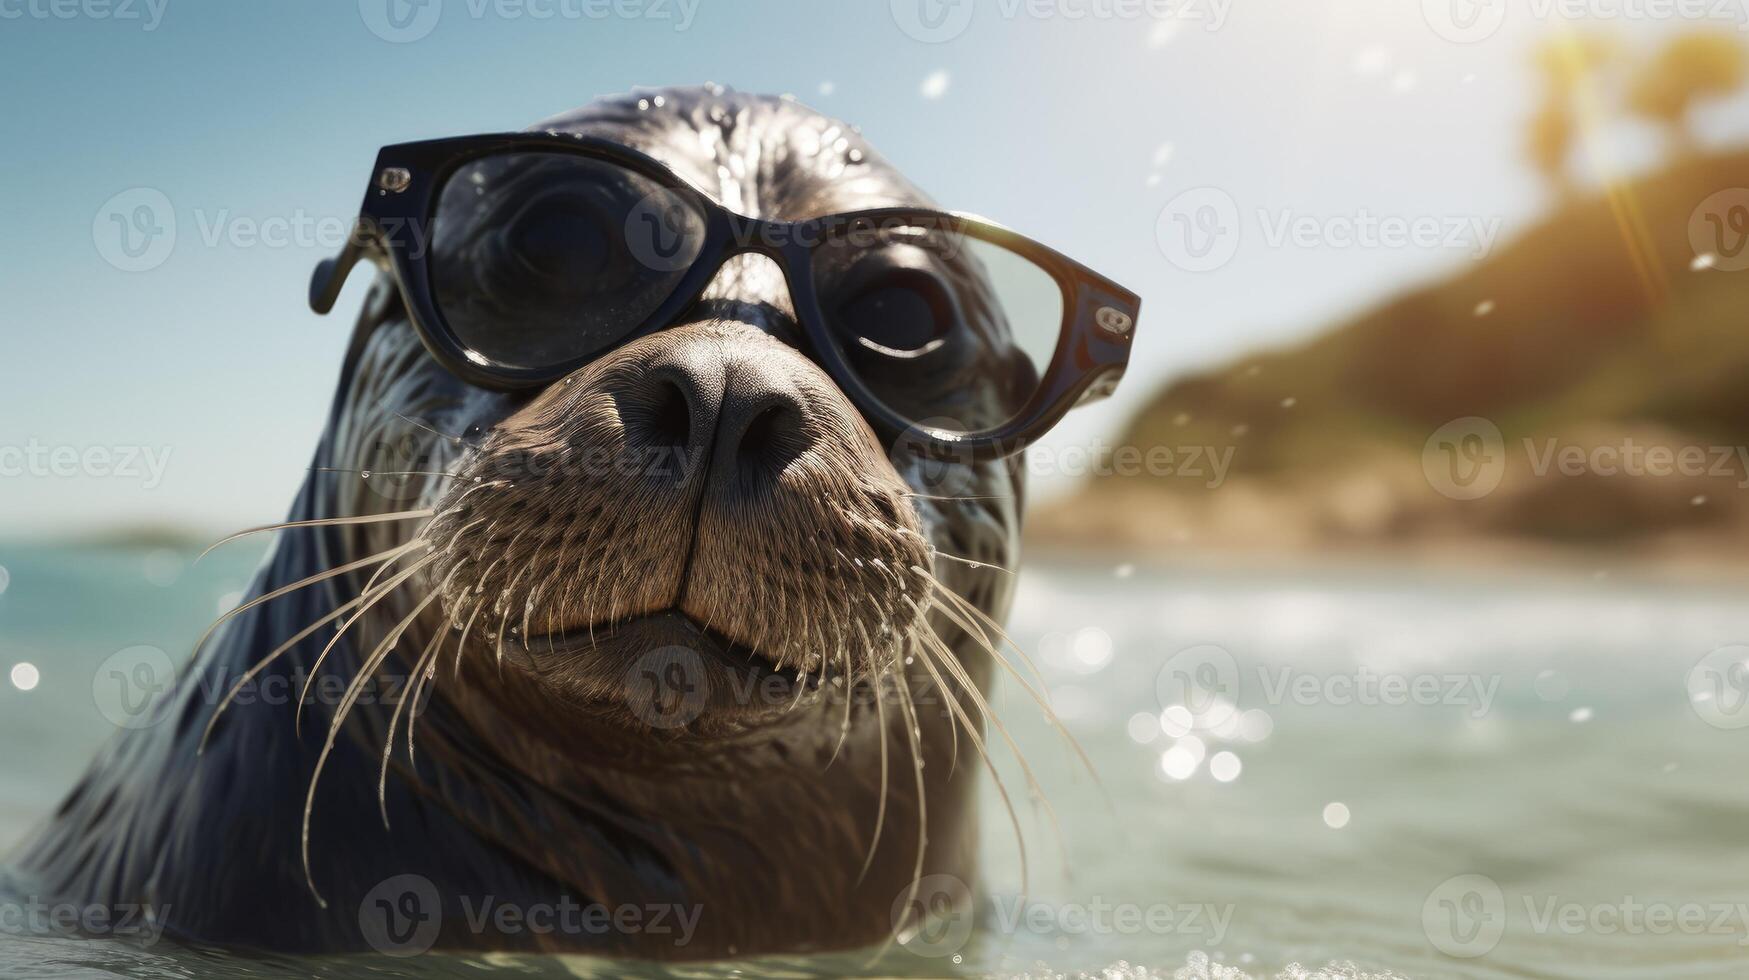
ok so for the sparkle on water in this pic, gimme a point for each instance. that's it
(1230, 795)
(25, 676)
(935, 84)
(1225, 766)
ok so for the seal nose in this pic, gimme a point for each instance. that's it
(733, 406)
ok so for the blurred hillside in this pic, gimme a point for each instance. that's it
(1601, 327)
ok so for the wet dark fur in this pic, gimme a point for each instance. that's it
(517, 794)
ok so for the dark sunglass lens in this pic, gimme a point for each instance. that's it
(542, 258)
(949, 331)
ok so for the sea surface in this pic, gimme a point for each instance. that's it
(1307, 771)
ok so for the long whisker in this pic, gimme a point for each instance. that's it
(849, 696)
(388, 555)
(990, 626)
(940, 602)
(953, 758)
(953, 665)
(915, 740)
(373, 598)
(367, 474)
(353, 690)
(419, 667)
(416, 423)
(462, 644)
(924, 657)
(881, 721)
(263, 664)
(430, 673)
(972, 562)
(402, 515)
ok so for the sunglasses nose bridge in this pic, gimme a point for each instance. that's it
(750, 285)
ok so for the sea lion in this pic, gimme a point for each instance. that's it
(676, 638)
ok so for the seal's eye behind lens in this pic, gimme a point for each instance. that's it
(948, 331)
(539, 259)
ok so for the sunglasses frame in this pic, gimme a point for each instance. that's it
(393, 230)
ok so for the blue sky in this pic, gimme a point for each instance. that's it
(1078, 130)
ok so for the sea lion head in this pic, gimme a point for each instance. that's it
(623, 600)
(696, 531)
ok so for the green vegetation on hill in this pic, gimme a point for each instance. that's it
(1574, 333)
(1596, 327)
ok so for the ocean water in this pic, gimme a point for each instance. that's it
(1315, 771)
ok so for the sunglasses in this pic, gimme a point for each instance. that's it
(521, 257)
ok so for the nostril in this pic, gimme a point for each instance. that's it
(772, 438)
(671, 420)
(658, 414)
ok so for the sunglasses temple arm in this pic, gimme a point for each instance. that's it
(331, 274)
